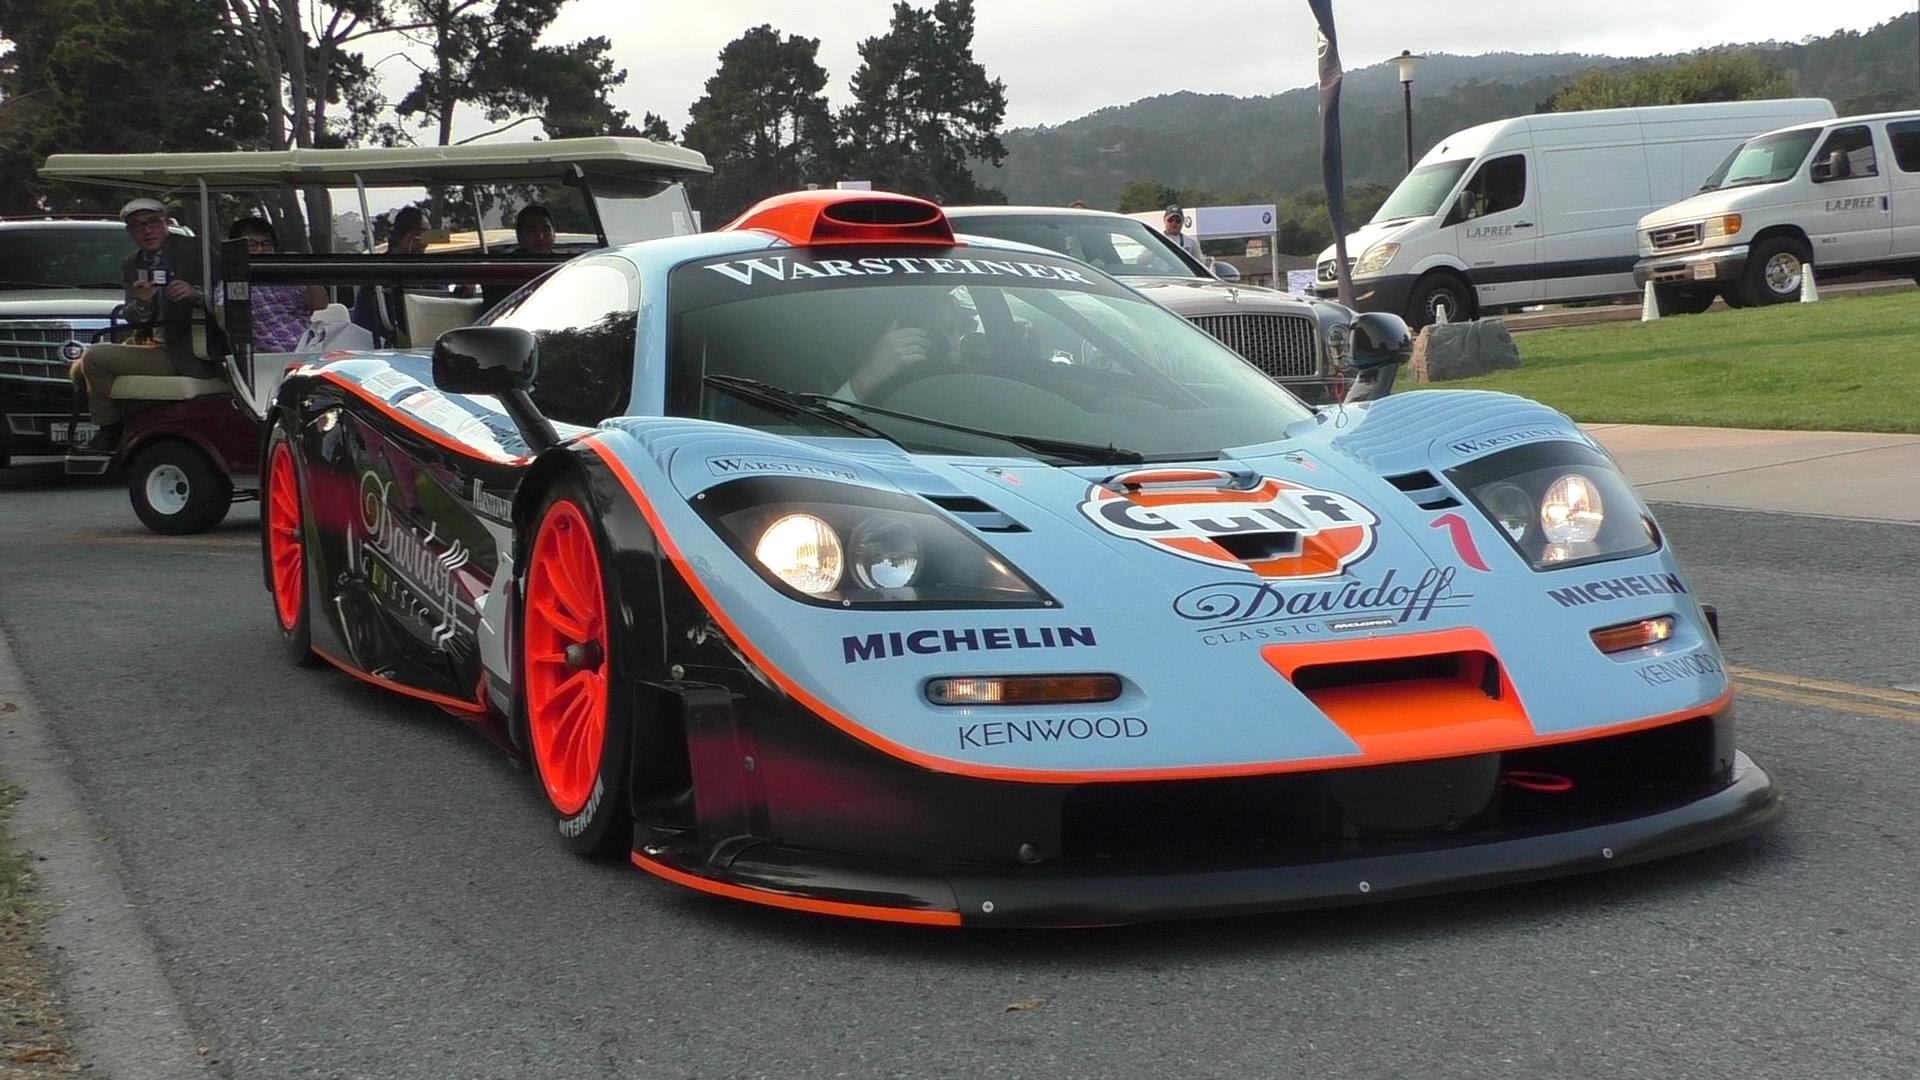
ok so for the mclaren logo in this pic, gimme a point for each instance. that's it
(1276, 528)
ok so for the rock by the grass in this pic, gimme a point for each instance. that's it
(1462, 350)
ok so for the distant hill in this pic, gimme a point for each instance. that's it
(1259, 148)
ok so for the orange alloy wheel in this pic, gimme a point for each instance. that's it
(566, 657)
(286, 547)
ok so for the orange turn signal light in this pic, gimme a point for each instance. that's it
(1023, 689)
(1731, 223)
(1633, 635)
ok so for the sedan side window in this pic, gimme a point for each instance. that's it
(1846, 155)
(586, 319)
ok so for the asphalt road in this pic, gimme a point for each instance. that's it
(342, 883)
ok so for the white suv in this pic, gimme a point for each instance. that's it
(1842, 194)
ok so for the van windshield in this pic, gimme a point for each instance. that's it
(1768, 159)
(1424, 191)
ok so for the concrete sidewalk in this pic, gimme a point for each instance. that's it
(1827, 473)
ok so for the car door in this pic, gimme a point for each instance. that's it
(1495, 221)
(1850, 221)
(1903, 187)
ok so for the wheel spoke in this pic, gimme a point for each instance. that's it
(561, 621)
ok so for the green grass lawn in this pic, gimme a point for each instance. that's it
(1843, 364)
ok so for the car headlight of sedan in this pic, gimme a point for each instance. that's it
(1376, 259)
(844, 545)
(1559, 504)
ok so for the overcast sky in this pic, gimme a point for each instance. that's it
(1064, 58)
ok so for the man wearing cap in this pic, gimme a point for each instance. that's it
(1175, 224)
(164, 290)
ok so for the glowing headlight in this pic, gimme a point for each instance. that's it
(1571, 511)
(1376, 259)
(802, 551)
(1559, 503)
(886, 553)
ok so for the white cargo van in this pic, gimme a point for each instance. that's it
(1843, 195)
(1543, 208)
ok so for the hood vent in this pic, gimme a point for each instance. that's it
(972, 511)
(1425, 490)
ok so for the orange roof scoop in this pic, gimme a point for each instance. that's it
(813, 218)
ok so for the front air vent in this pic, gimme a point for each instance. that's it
(1425, 490)
(981, 516)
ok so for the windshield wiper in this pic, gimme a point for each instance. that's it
(794, 403)
(5, 284)
(1090, 453)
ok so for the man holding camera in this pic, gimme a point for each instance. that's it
(164, 291)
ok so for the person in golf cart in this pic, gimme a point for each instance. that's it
(166, 306)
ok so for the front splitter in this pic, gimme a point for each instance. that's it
(1132, 890)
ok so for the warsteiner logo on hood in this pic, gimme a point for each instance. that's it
(1275, 528)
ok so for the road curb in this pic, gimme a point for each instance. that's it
(127, 1022)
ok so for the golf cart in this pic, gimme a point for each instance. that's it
(191, 447)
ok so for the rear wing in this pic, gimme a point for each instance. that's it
(242, 271)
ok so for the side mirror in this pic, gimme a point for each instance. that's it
(1381, 343)
(495, 361)
(489, 360)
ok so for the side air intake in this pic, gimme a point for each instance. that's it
(1425, 490)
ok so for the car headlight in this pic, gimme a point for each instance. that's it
(1559, 504)
(1340, 346)
(802, 551)
(1376, 259)
(1724, 225)
(844, 545)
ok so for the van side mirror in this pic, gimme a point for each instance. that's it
(499, 362)
(1835, 166)
(1381, 343)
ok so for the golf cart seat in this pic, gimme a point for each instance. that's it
(165, 387)
(430, 316)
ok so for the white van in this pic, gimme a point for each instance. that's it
(1843, 194)
(1540, 209)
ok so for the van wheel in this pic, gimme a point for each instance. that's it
(1433, 292)
(1674, 300)
(177, 489)
(1773, 271)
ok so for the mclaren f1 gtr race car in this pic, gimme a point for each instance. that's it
(836, 562)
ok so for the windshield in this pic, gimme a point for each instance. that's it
(1424, 191)
(633, 209)
(1768, 159)
(1024, 356)
(1119, 246)
(70, 258)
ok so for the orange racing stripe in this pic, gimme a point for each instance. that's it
(840, 908)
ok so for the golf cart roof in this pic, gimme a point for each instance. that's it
(402, 166)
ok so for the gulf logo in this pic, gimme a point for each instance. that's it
(1275, 528)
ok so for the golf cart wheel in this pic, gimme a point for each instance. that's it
(1675, 300)
(176, 489)
(1774, 268)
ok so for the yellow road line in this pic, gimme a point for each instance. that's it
(1822, 701)
(1801, 682)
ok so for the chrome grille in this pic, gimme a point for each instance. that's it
(1282, 346)
(1324, 271)
(33, 348)
(1669, 237)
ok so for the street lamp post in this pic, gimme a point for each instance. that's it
(1407, 61)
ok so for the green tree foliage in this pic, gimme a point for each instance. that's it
(1144, 193)
(923, 108)
(486, 53)
(116, 76)
(1714, 76)
(763, 122)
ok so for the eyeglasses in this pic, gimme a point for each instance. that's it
(259, 243)
(139, 224)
